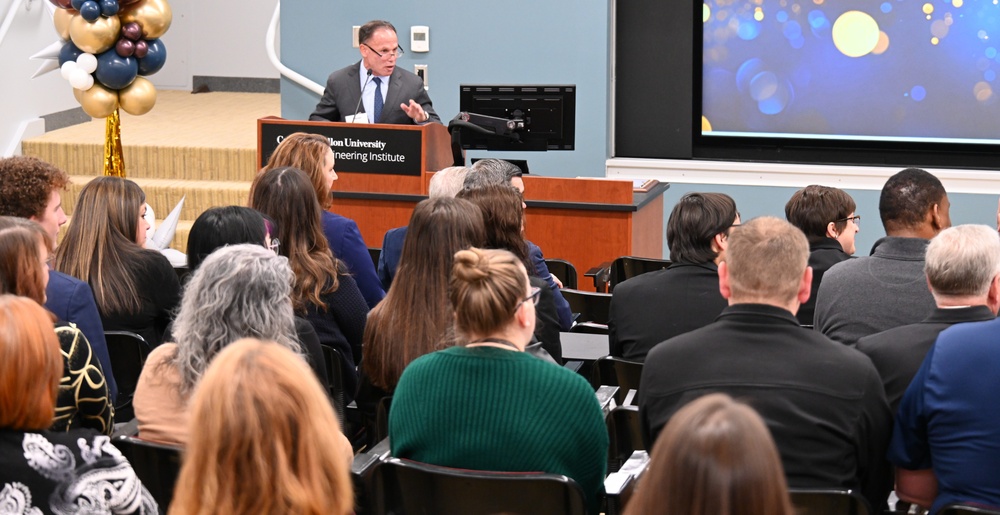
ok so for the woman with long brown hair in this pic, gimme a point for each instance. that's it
(714, 457)
(136, 289)
(323, 290)
(415, 315)
(312, 154)
(50, 471)
(83, 399)
(503, 214)
(264, 439)
(488, 405)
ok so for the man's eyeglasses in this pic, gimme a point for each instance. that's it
(855, 218)
(533, 296)
(397, 52)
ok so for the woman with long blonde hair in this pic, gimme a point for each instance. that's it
(312, 154)
(323, 291)
(264, 439)
(714, 457)
(136, 289)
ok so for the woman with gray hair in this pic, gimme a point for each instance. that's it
(239, 291)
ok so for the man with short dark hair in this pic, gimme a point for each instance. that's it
(822, 401)
(963, 272)
(888, 289)
(30, 188)
(391, 94)
(657, 306)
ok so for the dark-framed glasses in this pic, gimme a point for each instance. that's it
(855, 218)
(535, 294)
(398, 51)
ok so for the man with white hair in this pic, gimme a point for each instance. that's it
(962, 266)
(446, 183)
(945, 440)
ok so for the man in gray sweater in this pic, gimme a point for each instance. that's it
(888, 289)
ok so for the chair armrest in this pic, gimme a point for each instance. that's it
(602, 275)
(606, 397)
(618, 486)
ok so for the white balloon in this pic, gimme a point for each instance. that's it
(81, 80)
(87, 62)
(68, 68)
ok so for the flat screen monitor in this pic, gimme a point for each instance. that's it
(538, 117)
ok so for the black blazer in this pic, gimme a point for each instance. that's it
(343, 89)
(823, 254)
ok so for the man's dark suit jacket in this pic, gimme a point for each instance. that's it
(822, 401)
(656, 306)
(898, 353)
(388, 259)
(343, 89)
(72, 300)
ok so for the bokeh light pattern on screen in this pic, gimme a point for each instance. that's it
(897, 70)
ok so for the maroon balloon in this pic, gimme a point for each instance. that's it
(125, 47)
(141, 48)
(62, 4)
(132, 31)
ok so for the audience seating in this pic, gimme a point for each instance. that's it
(965, 509)
(589, 328)
(128, 352)
(374, 253)
(402, 486)
(382, 418)
(627, 267)
(336, 377)
(564, 270)
(829, 502)
(613, 371)
(362, 471)
(624, 435)
(156, 465)
(590, 306)
(620, 484)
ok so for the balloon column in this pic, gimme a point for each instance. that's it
(110, 47)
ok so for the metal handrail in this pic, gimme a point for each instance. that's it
(292, 75)
(9, 18)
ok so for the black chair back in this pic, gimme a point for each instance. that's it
(128, 352)
(965, 509)
(156, 465)
(612, 371)
(591, 306)
(624, 435)
(832, 501)
(374, 253)
(382, 418)
(627, 267)
(564, 270)
(334, 372)
(408, 487)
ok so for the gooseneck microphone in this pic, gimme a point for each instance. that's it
(358, 108)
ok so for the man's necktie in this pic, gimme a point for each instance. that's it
(378, 100)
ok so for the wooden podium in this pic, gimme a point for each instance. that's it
(584, 221)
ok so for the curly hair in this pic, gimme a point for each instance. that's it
(25, 185)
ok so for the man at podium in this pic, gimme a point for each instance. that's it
(387, 94)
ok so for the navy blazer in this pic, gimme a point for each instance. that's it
(343, 90)
(72, 300)
(348, 246)
(388, 260)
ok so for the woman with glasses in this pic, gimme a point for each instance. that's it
(826, 216)
(487, 405)
(503, 214)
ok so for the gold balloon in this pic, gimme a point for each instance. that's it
(61, 19)
(94, 37)
(139, 97)
(98, 101)
(154, 16)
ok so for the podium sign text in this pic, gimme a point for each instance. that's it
(363, 148)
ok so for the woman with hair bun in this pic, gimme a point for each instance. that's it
(714, 457)
(487, 405)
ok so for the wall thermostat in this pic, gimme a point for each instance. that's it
(419, 38)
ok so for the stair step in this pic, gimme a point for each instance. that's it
(164, 194)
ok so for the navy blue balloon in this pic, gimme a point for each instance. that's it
(69, 52)
(77, 3)
(155, 57)
(115, 71)
(90, 10)
(109, 8)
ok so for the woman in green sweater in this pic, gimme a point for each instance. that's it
(487, 405)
